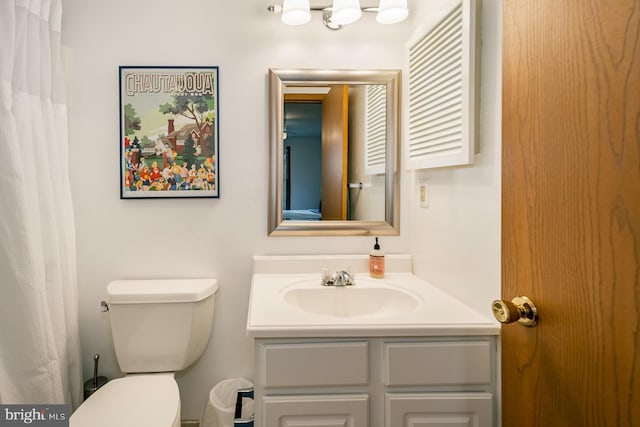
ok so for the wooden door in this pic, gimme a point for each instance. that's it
(335, 131)
(571, 211)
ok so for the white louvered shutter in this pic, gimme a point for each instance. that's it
(442, 91)
(376, 129)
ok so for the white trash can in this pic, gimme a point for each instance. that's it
(221, 408)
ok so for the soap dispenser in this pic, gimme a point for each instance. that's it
(376, 261)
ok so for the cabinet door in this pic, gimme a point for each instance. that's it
(315, 411)
(438, 410)
(314, 364)
(437, 363)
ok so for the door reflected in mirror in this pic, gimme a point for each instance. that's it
(334, 152)
(334, 135)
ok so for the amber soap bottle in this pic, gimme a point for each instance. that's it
(376, 261)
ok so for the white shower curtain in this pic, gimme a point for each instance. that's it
(39, 339)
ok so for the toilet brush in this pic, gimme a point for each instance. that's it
(93, 384)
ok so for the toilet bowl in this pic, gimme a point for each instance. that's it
(158, 327)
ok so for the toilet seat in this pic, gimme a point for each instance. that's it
(132, 401)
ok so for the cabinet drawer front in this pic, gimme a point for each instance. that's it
(315, 411)
(315, 364)
(439, 409)
(437, 363)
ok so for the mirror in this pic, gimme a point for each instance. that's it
(334, 138)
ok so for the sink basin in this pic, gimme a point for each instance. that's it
(374, 300)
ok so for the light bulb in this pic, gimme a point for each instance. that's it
(345, 11)
(296, 12)
(392, 11)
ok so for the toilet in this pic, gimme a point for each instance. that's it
(158, 327)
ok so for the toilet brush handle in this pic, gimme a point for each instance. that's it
(95, 370)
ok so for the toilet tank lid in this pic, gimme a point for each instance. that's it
(160, 290)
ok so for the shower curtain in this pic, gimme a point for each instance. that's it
(39, 339)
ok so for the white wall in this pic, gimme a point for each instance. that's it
(196, 237)
(455, 242)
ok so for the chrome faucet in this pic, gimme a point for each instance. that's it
(338, 278)
(343, 278)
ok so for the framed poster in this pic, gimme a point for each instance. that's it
(169, 132)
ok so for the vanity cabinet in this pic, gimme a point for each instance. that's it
(376, 382)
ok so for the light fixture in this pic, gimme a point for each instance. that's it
(296, 12)
(345, 12)
(340, 13)
(392, 11)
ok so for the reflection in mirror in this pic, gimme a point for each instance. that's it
(333, 137)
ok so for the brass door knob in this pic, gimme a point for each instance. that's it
(520, 309)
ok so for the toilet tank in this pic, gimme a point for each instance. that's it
(160, 325)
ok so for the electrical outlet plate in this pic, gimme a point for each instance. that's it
(423, 194)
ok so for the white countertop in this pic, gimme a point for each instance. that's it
(436, 314)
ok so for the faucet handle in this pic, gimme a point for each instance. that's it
(327, 277)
